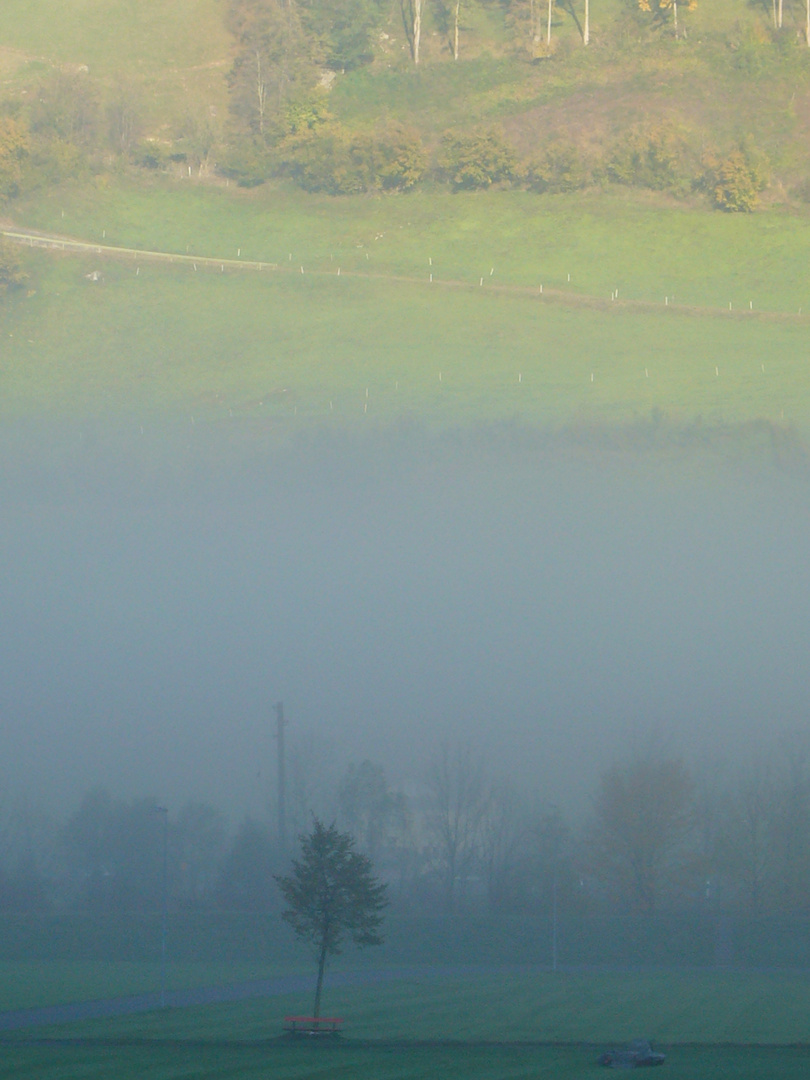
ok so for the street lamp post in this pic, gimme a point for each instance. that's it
(165, 903)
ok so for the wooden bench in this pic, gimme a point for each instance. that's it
(317, 1026)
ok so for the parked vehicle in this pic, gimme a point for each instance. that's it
(638, 1054)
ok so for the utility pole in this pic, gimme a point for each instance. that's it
(282, 783)
(554, 922)
(164, 921)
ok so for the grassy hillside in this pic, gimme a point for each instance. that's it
(652, 305)
(728, 75)
(174, 55)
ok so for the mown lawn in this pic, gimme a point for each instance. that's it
(28, 984)
(671, 1007)
(422, 1063)
(585, 1012)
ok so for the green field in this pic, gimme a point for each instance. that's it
(32, 984)
(381, 343)
(712, 1025)
(384, 1063)
(672, 1007)
(646, 249)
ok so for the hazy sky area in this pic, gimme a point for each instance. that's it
(556, 603)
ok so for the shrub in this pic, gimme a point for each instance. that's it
(401, 157)
(246, 162)
(654, 158)
(342, 162)
(52, 162)
(14, 149)
(560, 167)
(737, 179)
(150, 155)
(12, 275)
(330, 160)
(476, 160)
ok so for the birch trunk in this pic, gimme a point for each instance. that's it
(675, 14)
(586, 30)
(261, 92)
(779, 24)
(548, 31)
(417, 29)
(455, 30)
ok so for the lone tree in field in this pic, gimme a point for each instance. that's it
(332, 893)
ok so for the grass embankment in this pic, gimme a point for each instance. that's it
(354, 349)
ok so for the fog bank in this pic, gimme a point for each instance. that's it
(556, 601)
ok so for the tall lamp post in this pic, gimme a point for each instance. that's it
(165, 903)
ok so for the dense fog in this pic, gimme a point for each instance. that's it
(558, 602)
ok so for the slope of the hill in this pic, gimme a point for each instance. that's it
(726, 75)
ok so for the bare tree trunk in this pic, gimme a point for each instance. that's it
(781, 4)
(586, 31)
(548, 32)
(261, 92)
(455, 31)
(316, 1012)
(675, 14)
(417, 29)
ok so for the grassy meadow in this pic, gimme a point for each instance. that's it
(180, 51)
(380, 342)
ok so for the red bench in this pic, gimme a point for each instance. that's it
(313, 1025)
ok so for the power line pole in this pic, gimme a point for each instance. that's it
(282, 782)
(164, 921)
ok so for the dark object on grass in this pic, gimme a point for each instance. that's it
(638, 1054)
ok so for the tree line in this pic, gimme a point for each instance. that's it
(656, 837)
(287, 53)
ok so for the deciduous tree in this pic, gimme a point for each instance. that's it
(273, 63)
(642, 816)
(456, 806)
(332, 894)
